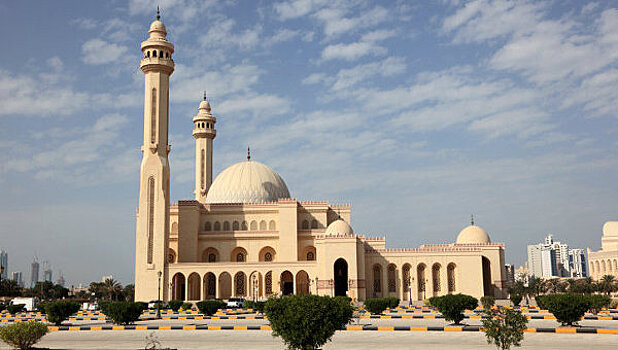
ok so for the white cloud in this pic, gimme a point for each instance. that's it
(221, 35)
(346, 78)
(352, 52)
(262, 105)
(336, 23)
(296, 8)
(97, 51)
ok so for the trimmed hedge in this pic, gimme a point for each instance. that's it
(452, 306)
(255, 305)
(567, 308)
(187, 306)
(175, 304)
(59, 311)
(598, 302)
(516, 299)
(15, 309)
(306, 322)
(23, 335)
(209, 307)
(488, 302)
(392, 302)
(123, 312)
(376, 305)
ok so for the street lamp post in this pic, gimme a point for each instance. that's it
(316, 285)
(159, 296)
(409, 290)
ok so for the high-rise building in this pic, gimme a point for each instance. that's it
(47, 275)
(553, 259)
(16, 276)
(577, 262)
(61, 280)
(4, 264)
(34, 273)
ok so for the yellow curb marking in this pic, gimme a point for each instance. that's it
(453, 329)
(240, 328)
(566, 330)
(418, 328)
(530, 330)
(214, 328)
(96, 328)
(118, 328)
(188, 327)
(607, 331)
(141, 328)
(265, 328)
(386, 328)
(354, 328)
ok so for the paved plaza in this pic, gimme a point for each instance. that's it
(253, 340)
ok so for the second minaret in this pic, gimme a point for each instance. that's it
(203, 132)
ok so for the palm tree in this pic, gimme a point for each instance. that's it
(608, 284)
(112, 289)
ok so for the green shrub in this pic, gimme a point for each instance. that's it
(488, 302)
(376, 305)
(175, 304)
(2, 307)
(539, 302)
(15, 309)
(40, 307)
(567, 308)
(123, 312)
(257, 306)
(209, 307)
(504, 327)
(143, 304)
(23, 335)
(392, 302)
(452, 306)
(426, 302)
(187, 306)
(598, 301)
(515, 299)
(60, 310)
(307, 321)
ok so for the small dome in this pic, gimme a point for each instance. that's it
(247, 182)
(157, 27)
(610, 229)
(339, 228)
(473, 235)
(204, 105)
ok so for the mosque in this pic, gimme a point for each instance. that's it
(605, 261)
(244, 235)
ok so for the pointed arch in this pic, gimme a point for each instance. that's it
(435, 278)
(450, 276)
(240, 284)
(314, 224)
(377, 280)
(217, 226)
(226, 226)
(210, 286)
(194, 287)
(225, 285)
(302, 282)
(272, 226)
(406, 279)
(239, 254)
(210, 255)
(421, 280)
(392, 278)
(208, 226)
(235, 226)
(267, 254)
(254, 225)
(263, 225)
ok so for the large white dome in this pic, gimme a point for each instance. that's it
(247, 182)
(339, 228)
(610, 229)
(473, 235)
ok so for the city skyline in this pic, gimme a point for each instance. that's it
(418, 115)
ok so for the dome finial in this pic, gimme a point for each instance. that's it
(158, 13)
(472, 219)
(248, 153)
(205, 96)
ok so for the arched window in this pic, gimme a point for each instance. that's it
(244, 226)
(268, 257)
(217, 226)
(272, 226)
(377, 279)
(305, 225)
(148, 54)
(254, 225)
(171, 256)
(262, 225)
(310, 256)
(240, 257)
(154, 53)
(167, 54)
(226, 226)
(435, 274)
(406, 279)
(174, 228)
(207, 226)
(450, 276)
(235, 226)
(268, 280)
(239, 281)
(161, 53)
(314, 223)
(212, 257)
(153, 116)
(392, 279)
(420, 274)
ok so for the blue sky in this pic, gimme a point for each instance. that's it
(416, 113)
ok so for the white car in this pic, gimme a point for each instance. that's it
(236, 303)
(153, 304)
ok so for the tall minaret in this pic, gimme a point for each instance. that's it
(204, 132)
(151, 245)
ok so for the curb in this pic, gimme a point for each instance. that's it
(348, 328)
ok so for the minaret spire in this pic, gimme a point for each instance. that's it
(248, 153)
(472, 219)
(205, 99)
(158, 14)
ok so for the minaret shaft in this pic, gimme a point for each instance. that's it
(204, 132)
(151, 238)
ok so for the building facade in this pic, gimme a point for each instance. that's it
(34, 273)
(16, 276)
(551, 259)
(244, 235)
(4, 264)
(605, 261)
